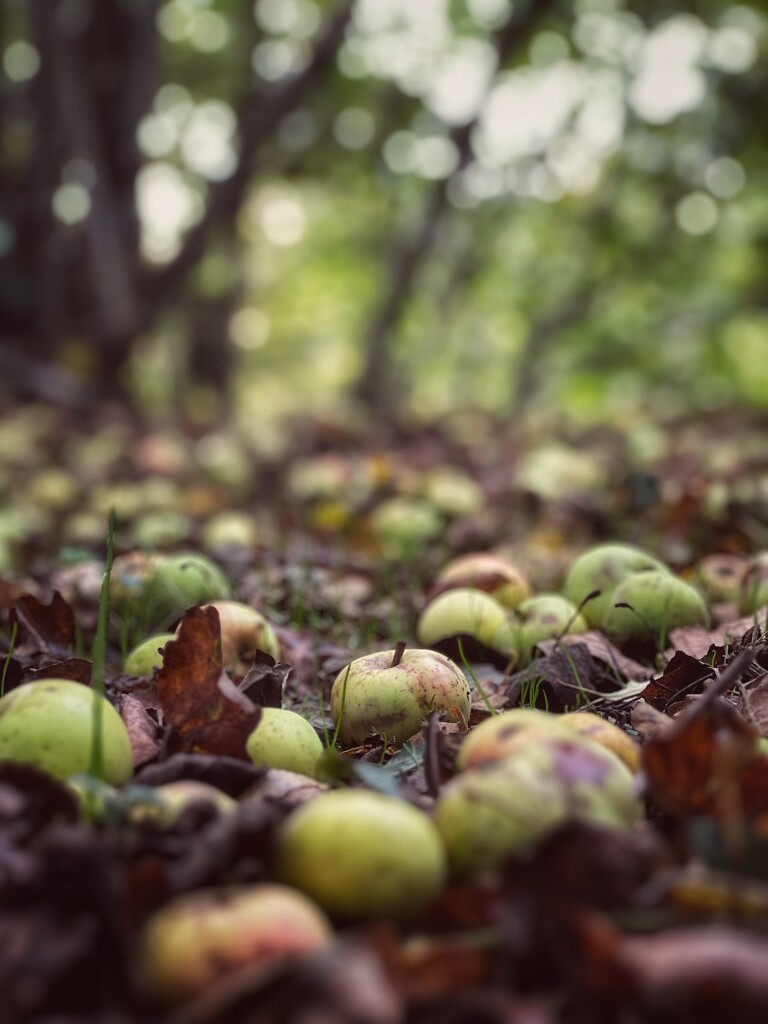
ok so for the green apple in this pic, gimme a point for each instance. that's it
(545, 617)
(362, 854)
(467, 611)
(198, 938)
(657, 602)
(402, 524)
(598, 730)
(244, 630)
(452, 492)
(498, 735)
(230, 529)
(379, 693)
(488, 572)
(147, 656)
(754, 584)
(181, 581)
(172, 798)
(283, 739)
(488, 813)
(719, 576)
(602, 568)
(49, 723)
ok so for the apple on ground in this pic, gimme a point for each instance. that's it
(754, 584)
(545, 617)
(488, 572)
(490, 812)
(648, 605)
(719, 576)
(608, 735)
(283, 739)
(199, 938)
(467, 611)
(172, 798)
(49, 723)
(244, 630)
(601, 569)
(401, 524)
(500, 734)
(392, 695)
(362, 854)
(147, 656)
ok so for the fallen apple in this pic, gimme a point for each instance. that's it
(601, 569)
(147, 656)
(488, 572)
(467, 611)
(498, 735)
(244, 630)
(392, 696)
(181, 581)
(545, 617)
(608, 735)
(172, 798)
(754, 584)
(283, 739)
(49, 723)
(649, 604)
(199, 938)
(720, 576)
(401, 524)
(488, 813)
(362, 854)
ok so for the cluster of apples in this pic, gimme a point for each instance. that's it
(618, 588)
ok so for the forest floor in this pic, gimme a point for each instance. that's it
(338, 533)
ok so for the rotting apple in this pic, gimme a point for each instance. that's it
(754, 584)
(244, 630)
(467, 611)
(49, 723)
(545, 617)
(392, 695)
(601, 569)
(647, 605)
(199, 938)
(488, 572)
(498, 735)
(283, 739)
(362, 854)
(170, 800)
(719, 576)
(608, 735)
(488, 813)
(147, 656)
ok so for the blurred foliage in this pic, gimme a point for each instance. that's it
(601, 249)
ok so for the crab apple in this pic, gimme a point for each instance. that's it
(648, 605)
(244, 630)
(545, 617)
(488, 572)
(147, 656)
(49, 723)
(283, 739)
(498, 735)
(379, 693)
(490, 812)
(201, 937)
(467, 611)
(602, 568)
(610, 736)
(362, 854)
(171, 799)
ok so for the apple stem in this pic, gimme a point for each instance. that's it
(397, 657)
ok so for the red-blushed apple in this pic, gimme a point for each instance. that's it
(602, 568)
(389, 696)
(545, 617)
(488, 572)
(49, 723)
(283, 739)
(608, 735)
(199, 938)
(487, 813)
(496, 736)
(244, 630)
(362, 854)
(467, 611)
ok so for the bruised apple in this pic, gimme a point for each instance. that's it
(199, 938)
(362, 854)
(608, 735)
(545, 617)
(171, 799)
(379, 693)
(488, 572)
(601, 569)
(498, 735)
(648, 605)
(244, 630)
(467, 611)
